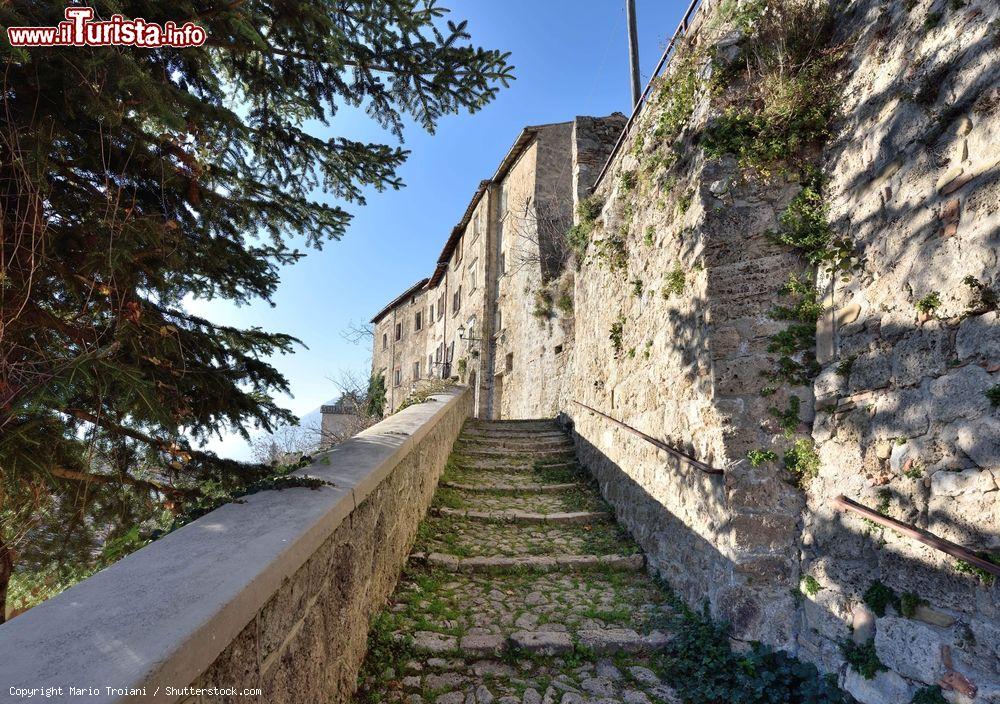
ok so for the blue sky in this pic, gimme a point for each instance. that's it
(570, 58)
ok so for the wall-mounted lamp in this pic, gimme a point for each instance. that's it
(461, 335)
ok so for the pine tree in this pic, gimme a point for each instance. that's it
(131, 178)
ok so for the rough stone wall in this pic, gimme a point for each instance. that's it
(308, 641)
(905, 424)
(673, 306)
(536, 295)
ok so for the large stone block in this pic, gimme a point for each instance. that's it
(884, 688)
(911, 648)
(979, 337)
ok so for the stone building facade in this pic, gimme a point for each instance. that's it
(472, 319)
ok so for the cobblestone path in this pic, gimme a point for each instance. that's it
(521, 589)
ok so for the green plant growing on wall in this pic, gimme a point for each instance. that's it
(781, 95)
(878, 596)
(543, 304)
(648, 349)
(863, 658)
(650, 237)
(578, 236)
(676, 93)
(463, 365)
(987, 578)
(788, 419)
(700, 665)
(612, 249)
(627, 181)
(908, 604)
(674, 283)
(684, 202)
(758, 457)
(617, 335)
(793, 339)
(637, 288)
(987, 299)
(929, 695)
(929, 303)
(802, 462)
(810, 585)
(993, 394)
(804, 226)
(565, 302)
(804, 307)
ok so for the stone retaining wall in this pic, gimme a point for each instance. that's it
(274, 592)
(674, 341)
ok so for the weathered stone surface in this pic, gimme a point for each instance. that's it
(884, 688)
(542, 642)
(911, 648)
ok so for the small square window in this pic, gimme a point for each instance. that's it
(399, 331)
(418, 321)
(385, 341)
(558, 349)
(397, 377)
(509, 362)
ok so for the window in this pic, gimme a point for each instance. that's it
(472, 274)
(503, 199)
(476, 224)
(509, 362)
(397, 377)
(497, 321)
(385, 341)
(430, 317)
(502, 264)
(441, 307)
(399, 331)
(430, 365)
(451, 352)
(456, 301)
(418, 321)
(558, 349)
(458, 251)
(416, 370)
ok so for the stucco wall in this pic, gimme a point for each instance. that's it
(274, 592)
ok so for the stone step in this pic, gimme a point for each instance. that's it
(513, 488)
(512, 435)
(515, 516)
(530, 680)
(599, 641)
(531, 426)
(493, 462)
(533, 563)
(527, 453)
(500, 446)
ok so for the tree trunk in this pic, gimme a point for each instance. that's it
(6, 570)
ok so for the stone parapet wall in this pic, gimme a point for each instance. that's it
(274, 592)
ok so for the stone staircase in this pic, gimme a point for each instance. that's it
(521, 589)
